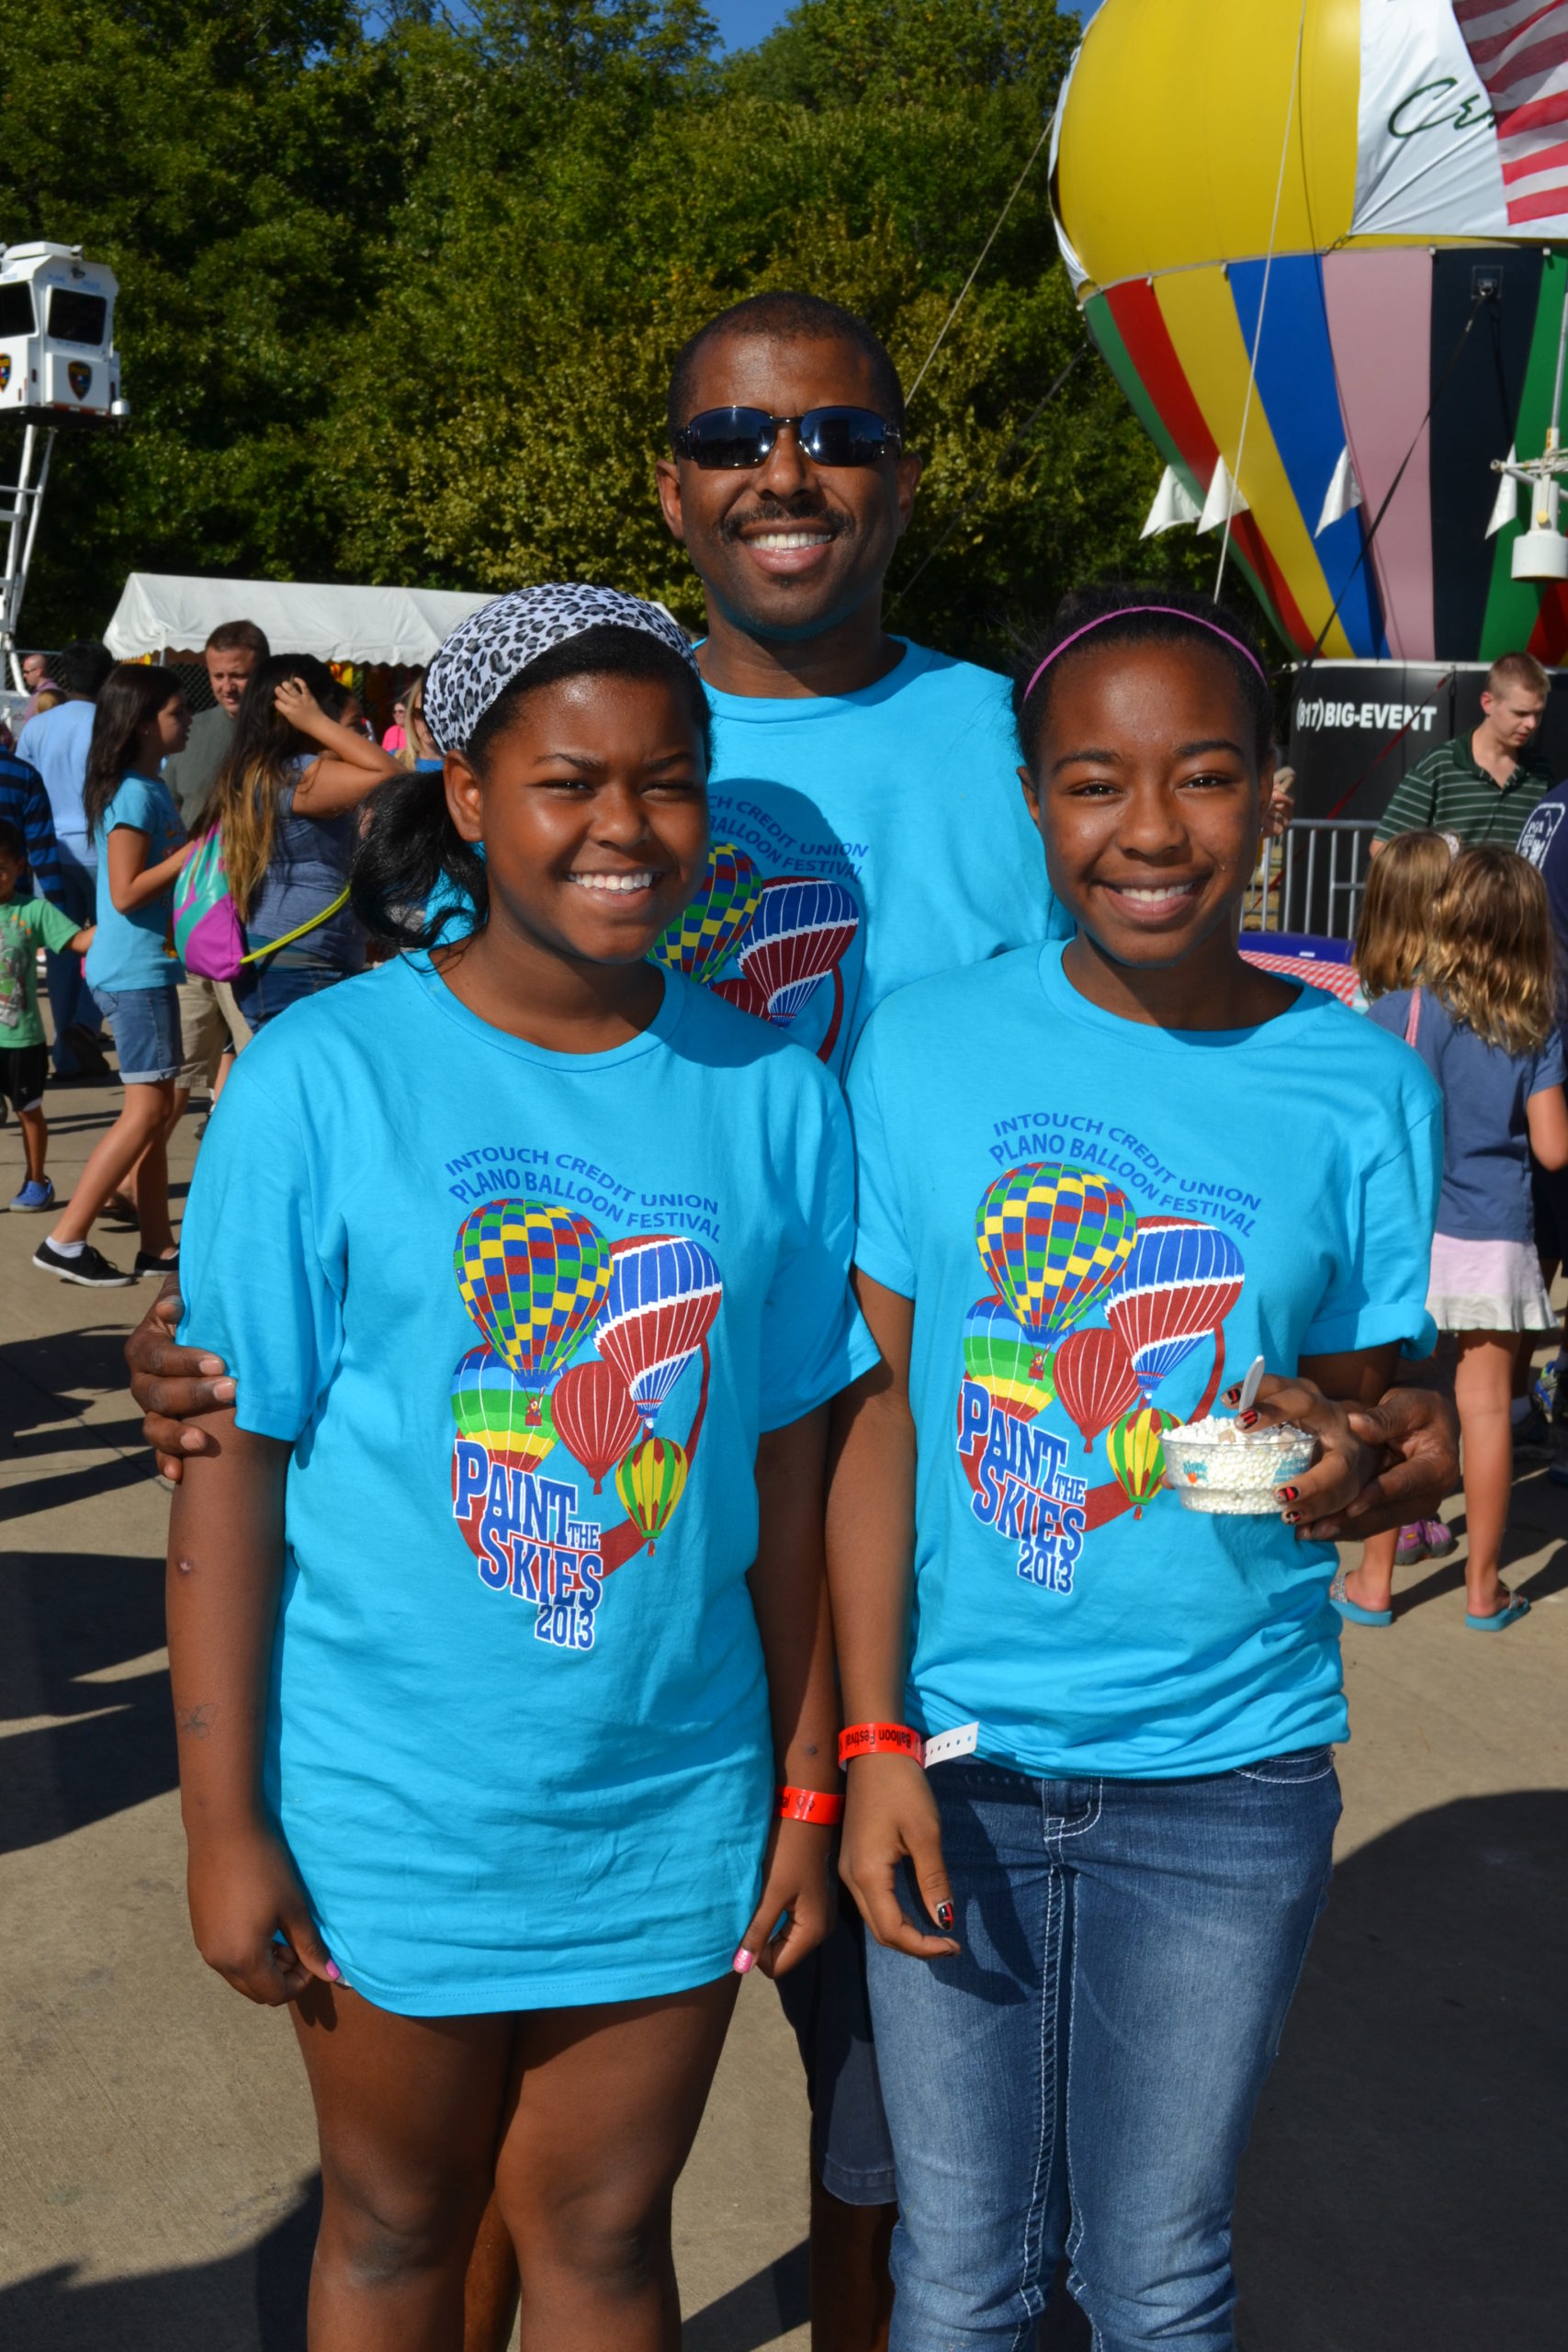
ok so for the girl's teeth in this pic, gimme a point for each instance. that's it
(616, 882)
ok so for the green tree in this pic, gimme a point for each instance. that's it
(235, 166)
(400, 293)
(864, 152)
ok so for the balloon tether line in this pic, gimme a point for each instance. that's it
(1017, 442)
(985, 249)
(1263, 297)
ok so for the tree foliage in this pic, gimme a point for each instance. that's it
(400, 293)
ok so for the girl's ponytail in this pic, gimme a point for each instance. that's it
(410, 854)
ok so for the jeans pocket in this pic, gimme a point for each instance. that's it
(1303, 1764)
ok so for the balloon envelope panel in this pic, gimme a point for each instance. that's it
(1415, 147)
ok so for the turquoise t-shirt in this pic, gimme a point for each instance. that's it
(858, 842)
(131, 951)
(1100, 1225)
(861, 842)
(522, 1323)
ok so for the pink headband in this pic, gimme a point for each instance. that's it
(1128, 612)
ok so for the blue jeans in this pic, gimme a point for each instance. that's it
(263, 989)
(1082, 2078)
(71, 1001)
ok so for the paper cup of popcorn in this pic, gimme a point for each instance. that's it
(1216, 1465)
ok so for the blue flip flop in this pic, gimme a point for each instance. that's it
(1516, 1608)
(1352, 1612)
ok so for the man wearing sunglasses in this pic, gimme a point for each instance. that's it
(863, 787)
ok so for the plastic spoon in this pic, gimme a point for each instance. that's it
(1250, 1386)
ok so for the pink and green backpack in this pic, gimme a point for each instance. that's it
(209, 938)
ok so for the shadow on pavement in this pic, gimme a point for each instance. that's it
(44, 1378)
(1403, 2191)
(757, 2312)
(249, 2302)
(63, 1616)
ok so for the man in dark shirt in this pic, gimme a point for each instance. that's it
(1481, 787)
(232, 651)
(211, 1024)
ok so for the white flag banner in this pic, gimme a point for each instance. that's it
(1174, 505)
(1344, 493)
(1225, 500)
(1506, 505)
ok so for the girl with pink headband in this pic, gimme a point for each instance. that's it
(1091, 1792)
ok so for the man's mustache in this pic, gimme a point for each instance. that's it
(781, 514)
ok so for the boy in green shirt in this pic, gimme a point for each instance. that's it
(26, 924)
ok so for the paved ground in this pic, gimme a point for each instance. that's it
(156, 2157)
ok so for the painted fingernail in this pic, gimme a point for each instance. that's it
(944, 1917)
(744, 1961)
(1289, 1517)
(1232, 1393)
(1245, 1420)
(1287, 1494)
(335, 1974)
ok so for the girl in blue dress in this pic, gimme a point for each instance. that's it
(499, 1618)
(1091, 1794)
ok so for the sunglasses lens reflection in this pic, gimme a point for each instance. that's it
(723, 438)
(843, 436)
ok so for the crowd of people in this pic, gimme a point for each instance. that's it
(725, 1251)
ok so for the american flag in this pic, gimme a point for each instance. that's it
(1520, 47)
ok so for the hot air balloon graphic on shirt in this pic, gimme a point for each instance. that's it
(1011, 1365)
(1179, 1282)
(799, 935)
(1135, 1449)
(658, 1305)
(1053, 1239)
(650, 1482)
(533, 1277)
(1095, 1381)
(703, 936)
(595, 1417)
(492, 1408)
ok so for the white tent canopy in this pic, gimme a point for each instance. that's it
(163, 615)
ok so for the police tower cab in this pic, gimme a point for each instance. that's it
(57, 355)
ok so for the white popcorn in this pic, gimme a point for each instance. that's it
(1216, 1465)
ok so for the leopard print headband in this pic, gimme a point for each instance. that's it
(476, 664)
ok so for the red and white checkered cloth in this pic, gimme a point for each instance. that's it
(1338, 979)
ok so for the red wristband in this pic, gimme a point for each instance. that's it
(879, 1739)
(816, 1806)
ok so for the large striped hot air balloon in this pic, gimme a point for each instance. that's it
(650, 1482)
(1051, 1237)
(703, 936)
(797, 936)
(1011, 1365)
(1135, 1450)
(594, 1416)
(1095, 1381)
(662, 1295)
(492, 1408)
(531, 1277)
(1338, 216)
(1178, 1284)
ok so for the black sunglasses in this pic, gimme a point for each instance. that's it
(723, 438)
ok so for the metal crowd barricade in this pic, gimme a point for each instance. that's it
(1312, 881)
